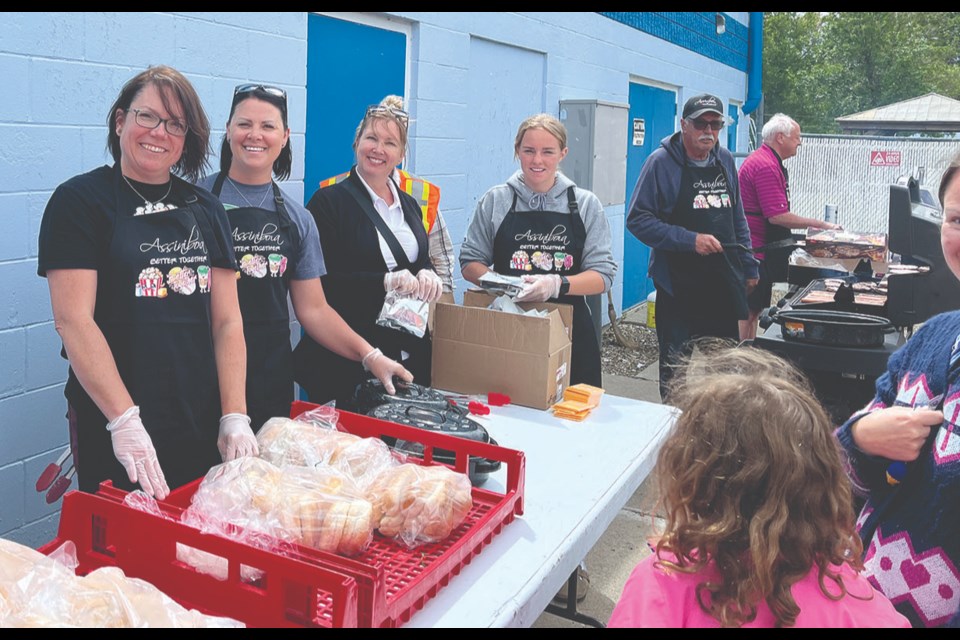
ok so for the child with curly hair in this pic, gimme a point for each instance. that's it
(759, 515)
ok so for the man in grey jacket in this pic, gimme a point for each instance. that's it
(686, 207)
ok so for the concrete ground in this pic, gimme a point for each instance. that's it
(623, 545)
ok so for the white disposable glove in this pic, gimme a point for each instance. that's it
(402, 282)
(236, 438)
(385, 369)
(431, 286)
(133, 448)
(539, 288)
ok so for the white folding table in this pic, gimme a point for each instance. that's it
(578, 477)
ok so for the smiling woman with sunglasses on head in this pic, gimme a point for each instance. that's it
(144, 297)
(278, 250)
(373, 242)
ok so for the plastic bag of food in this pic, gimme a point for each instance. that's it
(324, 416)
(295, 443)
(498, 284)
(419, 504)
(364, 460)
(292, 442)
(41, 591)
(318, 507)
(404, 313)
(323, 509)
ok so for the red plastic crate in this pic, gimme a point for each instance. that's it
(390, 581)
(291, 593)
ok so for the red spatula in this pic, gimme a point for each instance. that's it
(52, 471)
(60, 486)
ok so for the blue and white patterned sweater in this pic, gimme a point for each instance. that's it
(911, 530)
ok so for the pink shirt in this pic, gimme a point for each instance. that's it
(654, 598)
(763, 189)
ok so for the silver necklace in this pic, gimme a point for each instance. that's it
(151, 207)
(250, 204)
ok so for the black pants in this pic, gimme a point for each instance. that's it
(680, 322)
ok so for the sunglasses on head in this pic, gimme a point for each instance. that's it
(379, 110)
(265, 88)
(700, 124)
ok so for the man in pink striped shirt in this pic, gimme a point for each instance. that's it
(765, 189)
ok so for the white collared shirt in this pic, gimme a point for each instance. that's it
(393, 216)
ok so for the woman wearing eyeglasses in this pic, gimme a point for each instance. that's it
(144, 297)
(278, 250)
(373, 242)
(543, 227)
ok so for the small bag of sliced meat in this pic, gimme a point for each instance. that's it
(404, 313)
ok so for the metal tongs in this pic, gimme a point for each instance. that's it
(779, 244)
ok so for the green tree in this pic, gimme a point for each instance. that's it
(819, 66)
(791, 62)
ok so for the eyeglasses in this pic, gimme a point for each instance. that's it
(250, 88)
(700, 124)
(379, 110)
(150, 120)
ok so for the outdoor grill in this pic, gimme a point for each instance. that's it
(912, 292)
(915, 221)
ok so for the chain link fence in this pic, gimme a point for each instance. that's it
(855, 173)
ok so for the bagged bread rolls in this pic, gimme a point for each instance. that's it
(420, 504)
(327, 508)
(288, 442)
(318, 507)
(39, 591)
(364, 460)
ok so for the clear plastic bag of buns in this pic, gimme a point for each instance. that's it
(294, 442)
(319, 507)
(420, 504)
(41, 591)
(284, 441)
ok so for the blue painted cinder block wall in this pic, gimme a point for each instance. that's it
(62, 71)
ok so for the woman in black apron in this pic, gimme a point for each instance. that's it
(535, 226)
(144, 297)
(373, 243)
(278, 251)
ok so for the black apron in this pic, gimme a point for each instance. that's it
(711, 284)
(776, 261)
(154, 310)
(263, 241)
(538, 242)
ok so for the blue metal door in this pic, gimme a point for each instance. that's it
(349, 67)
(653, 113)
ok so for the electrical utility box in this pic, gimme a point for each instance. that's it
(596, 159)
(597, 143)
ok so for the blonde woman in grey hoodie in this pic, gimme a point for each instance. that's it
(543, 227)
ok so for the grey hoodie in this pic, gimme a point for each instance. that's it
(494, 205)
(655, 196)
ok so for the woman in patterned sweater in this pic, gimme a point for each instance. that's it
(903, 451)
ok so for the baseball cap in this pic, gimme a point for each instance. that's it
(701, 104)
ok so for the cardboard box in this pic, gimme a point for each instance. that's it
(477, 350)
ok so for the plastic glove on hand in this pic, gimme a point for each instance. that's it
(539, 288)
(236, 438)
(403, 282)
(385, 369)
(134, 449)
(431, 286)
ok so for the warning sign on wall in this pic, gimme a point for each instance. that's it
(884, 158)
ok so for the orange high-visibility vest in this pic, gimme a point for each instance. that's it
(425, 193)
